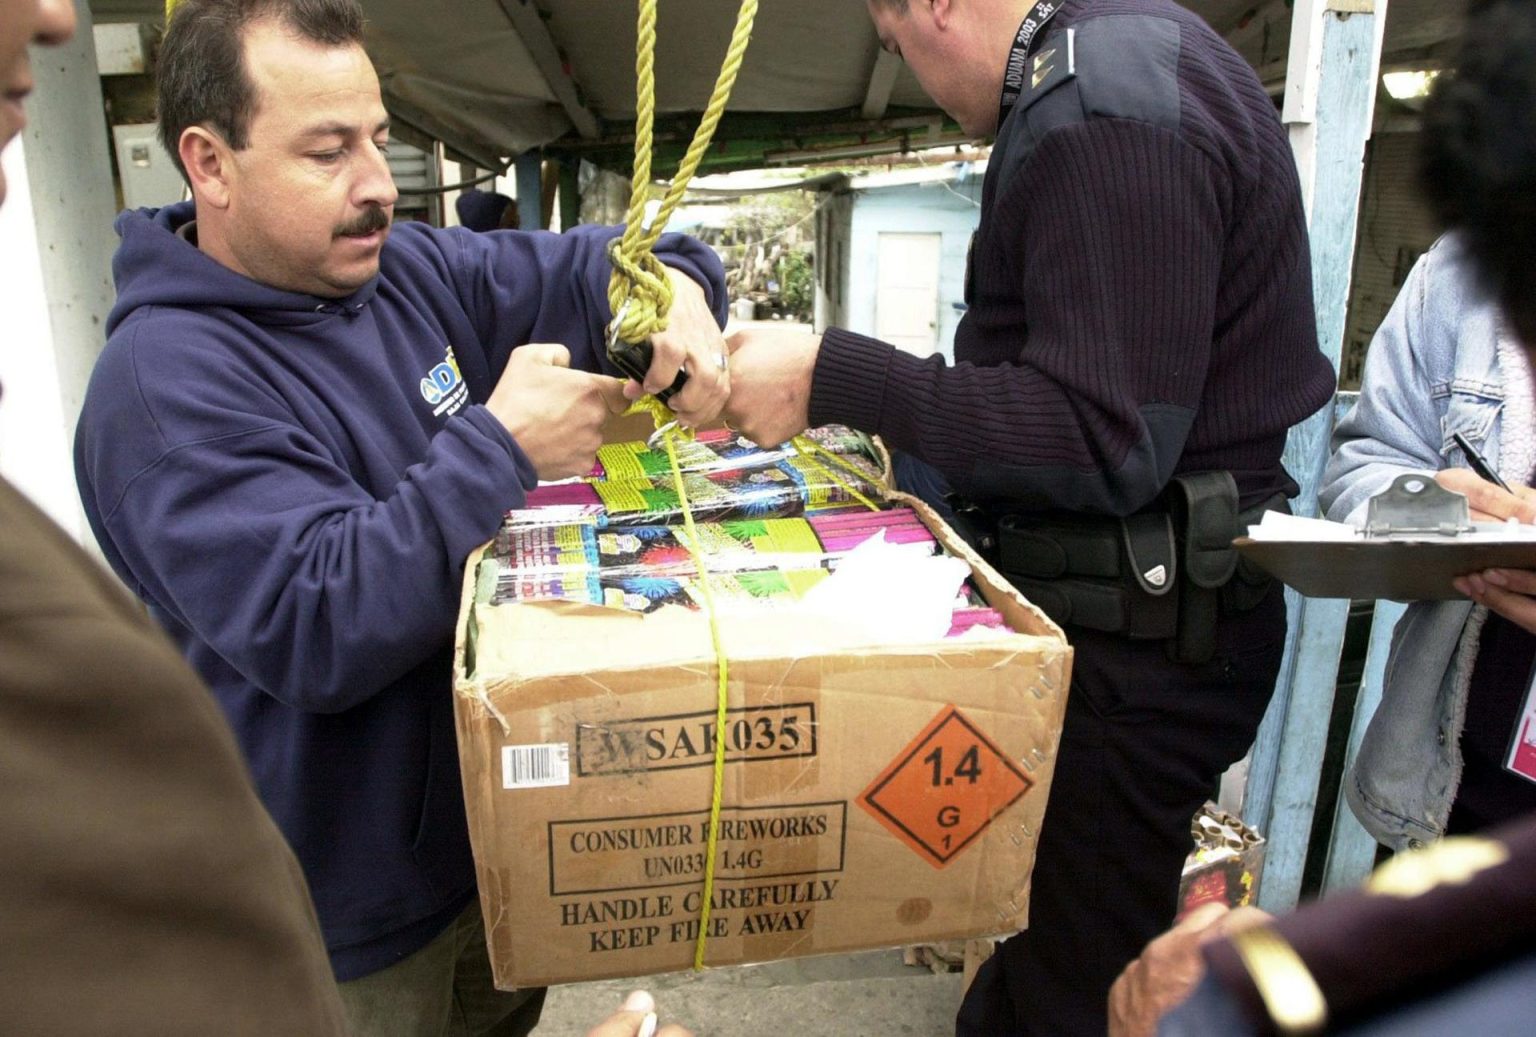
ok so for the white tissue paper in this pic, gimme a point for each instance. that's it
(890, 594)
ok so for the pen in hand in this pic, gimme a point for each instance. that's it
(1478, 463)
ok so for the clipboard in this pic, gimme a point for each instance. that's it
(1418, 537)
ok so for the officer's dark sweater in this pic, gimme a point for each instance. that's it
(1140, 287)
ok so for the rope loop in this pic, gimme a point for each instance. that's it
(637, 274)
(641, 281)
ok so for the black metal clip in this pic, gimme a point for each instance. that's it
(634, 358)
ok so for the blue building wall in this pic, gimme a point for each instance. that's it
(950, 208)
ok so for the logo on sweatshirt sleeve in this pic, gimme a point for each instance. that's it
(443, 388)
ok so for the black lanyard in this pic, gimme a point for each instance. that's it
(1016, 72)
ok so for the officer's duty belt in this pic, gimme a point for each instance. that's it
(1167, 572)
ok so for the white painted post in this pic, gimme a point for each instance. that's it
(1329, 101)
(1351, 849)
(56, 245)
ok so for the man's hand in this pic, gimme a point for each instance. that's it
(771, 383)
(627, 1021)
(555, 414)
(1489, 503)
(1170, 968)
(692, 341)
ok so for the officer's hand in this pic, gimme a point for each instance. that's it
(1170, 968)
(771, 372)
(626, 1022)
(555, 414)
(1488, 502)
(692, 341)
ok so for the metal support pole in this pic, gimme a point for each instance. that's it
(570, 196)
(530, 191)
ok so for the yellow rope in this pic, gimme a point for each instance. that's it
(638, 275)
(640, 280)
(170, 5)
(722, 684)
(671, 435)
(661, 417)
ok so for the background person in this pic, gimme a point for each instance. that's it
(1441, 941)
(486, 210)
(1454, 355)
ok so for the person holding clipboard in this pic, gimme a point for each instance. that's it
(1447, 395)
(1448, 390)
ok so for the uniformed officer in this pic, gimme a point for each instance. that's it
(1140, 336)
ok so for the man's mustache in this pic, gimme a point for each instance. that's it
(373, 218)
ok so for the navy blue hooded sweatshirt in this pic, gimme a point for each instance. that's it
(293, 483)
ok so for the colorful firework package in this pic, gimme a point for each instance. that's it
(633, 485)
(617, 538)
(643, 568)
(1226, 863)
(883, 784)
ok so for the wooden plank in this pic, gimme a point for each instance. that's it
(529, 23)
(1351, 849)
(1295, 748)
(1343, 54)
(882, 78)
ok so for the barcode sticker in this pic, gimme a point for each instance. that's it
(535, 766)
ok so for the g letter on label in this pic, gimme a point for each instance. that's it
(945, 788)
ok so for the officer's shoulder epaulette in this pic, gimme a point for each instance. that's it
(1127, 67)
(1110, 66)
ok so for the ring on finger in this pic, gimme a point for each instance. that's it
(723, 361)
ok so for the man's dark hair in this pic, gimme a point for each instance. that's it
(201, 75)
(1478, 153)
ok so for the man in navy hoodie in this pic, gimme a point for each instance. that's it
(303, 421)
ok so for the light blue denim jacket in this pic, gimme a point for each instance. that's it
(1433, 369)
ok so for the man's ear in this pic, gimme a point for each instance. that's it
(208, 162)
(940, 11)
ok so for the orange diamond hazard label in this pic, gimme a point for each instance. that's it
(944, 788)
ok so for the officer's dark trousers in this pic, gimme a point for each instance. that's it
(1144, 745)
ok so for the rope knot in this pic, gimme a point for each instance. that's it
(642, 281)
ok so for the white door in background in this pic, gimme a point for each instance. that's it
(907, 299)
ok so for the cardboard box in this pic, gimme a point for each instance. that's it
(872, 797)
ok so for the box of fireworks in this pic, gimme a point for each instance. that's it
(1226, 863)
(874, 790)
